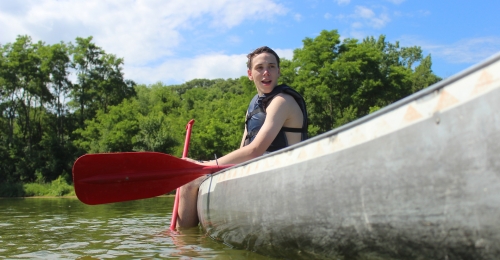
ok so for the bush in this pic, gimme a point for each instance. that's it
(36, 189)
(58, 187)
(9, 189)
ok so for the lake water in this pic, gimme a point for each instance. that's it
(65, 228)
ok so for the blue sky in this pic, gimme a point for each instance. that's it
(178, 40)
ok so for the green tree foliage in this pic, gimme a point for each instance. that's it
(113, 131)
(158, 105)
(48, 120)
(221, 116)
(100, 79)
(155, 134)
(345, 80)
(56, 66)
(37, 121)
(25, 96)
(155, 119)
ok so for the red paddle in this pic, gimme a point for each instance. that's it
(173, 222)
(115, 177)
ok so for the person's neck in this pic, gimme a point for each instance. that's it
(261, 93)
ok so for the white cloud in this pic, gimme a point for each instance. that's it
(396, 1)
(234, 39)
(358, 34)
(177, 71)
(284, 53)
(381, 21)
(143, 32)
(342, 2)
(297, 17)
(369, 18)
(357, 25)
(207, 66)
(424, 12)
(412, 14)
(327, 16)
(363, 19)
(213, 66)
(341, 17)
(364, 12)
(465, 51)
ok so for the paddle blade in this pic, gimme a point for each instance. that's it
(116, 177)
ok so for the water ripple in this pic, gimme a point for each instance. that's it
(68, 229)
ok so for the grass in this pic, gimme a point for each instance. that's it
(56, 188)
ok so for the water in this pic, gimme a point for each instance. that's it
(63, 228)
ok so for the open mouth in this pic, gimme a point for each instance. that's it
(266, 82)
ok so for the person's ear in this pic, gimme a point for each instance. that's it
(249, 72)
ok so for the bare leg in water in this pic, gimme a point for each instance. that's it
(187, 213)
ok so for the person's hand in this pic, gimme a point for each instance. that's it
(192, 160)
(204, 163)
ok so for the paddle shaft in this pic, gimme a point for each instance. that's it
(173, 222)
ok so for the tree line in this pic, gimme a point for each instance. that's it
(60, 101)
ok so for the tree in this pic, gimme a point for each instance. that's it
(155, 134)
(86, 60)
(314, 80)
(56, 64)
(25, 86)
(158, 106)
(100, 81)
(342, 81)
(114, 131)
(112, 88)
(25, 95)
(423, 75)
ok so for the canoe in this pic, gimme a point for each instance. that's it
(419, 179)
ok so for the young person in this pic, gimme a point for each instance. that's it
(276, 118)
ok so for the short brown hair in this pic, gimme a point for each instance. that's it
(263, 49)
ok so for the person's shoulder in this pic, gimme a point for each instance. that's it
(286, 96)
(284, 99)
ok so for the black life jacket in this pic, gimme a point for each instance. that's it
(256, 115)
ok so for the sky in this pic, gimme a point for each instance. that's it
(174, 41)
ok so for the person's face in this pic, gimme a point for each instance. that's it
(264, 72)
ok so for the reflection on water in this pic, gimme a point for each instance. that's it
(69, 229)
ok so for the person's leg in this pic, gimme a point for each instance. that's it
(187, 213)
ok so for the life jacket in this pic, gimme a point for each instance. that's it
(256, 115)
